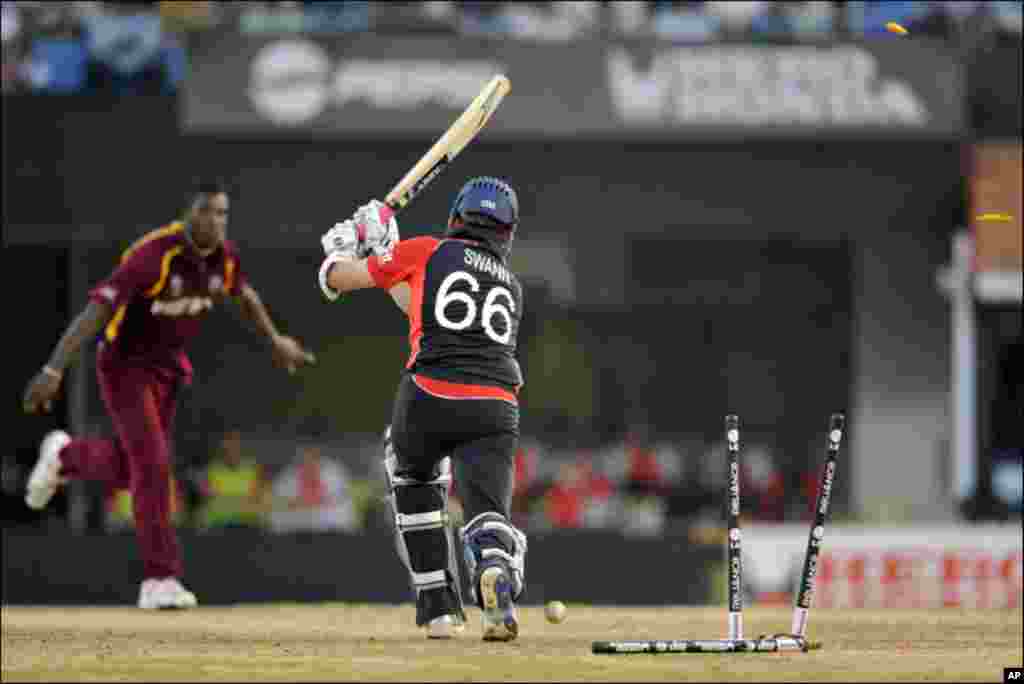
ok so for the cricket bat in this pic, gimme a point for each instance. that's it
(448, 146)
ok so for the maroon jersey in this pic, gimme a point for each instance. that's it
(160, 292)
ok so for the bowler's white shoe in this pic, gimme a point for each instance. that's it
(165, 594)
(499, 616)
(45, 477)
(444, 627)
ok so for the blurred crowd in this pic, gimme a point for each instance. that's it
(638, 486)
(121, 48)
(699, 21)
(690, 20)
(234, 489)
(642, 486)
(140, 47)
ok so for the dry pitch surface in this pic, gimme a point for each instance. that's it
(341, 642)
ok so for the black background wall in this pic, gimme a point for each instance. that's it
(111, 169)
(237, 567)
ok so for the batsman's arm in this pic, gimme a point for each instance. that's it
(346, 275)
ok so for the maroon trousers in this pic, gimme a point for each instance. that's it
(141, 402)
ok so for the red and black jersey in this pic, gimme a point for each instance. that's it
(464, 316)
(160, 292)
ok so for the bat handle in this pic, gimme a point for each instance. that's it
(388, 212)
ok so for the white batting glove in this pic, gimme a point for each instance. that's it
(342, 239)
(377, 228)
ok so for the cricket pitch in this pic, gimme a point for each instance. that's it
(350, 642)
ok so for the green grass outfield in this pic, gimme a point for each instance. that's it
(339, 642)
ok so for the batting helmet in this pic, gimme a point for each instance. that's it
(486, 209)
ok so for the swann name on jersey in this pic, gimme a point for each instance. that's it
(487, 264)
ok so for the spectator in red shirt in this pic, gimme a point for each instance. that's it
(564, 501)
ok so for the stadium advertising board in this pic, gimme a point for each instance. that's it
(892, 567)
(996, 179)
(995, 221)
(414, 85)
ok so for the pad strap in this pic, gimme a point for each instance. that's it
(423, 536)
(431, 520)
(430, 580)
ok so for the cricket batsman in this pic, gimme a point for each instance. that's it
(457, 400)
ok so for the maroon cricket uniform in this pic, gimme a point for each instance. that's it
(160, 292)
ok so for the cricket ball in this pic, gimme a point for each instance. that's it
(554, 611)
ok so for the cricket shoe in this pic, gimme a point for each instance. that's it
(165, 594)
(444, 627)
(45, 477)
(499, 616)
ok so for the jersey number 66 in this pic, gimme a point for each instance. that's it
(491, 308)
